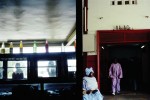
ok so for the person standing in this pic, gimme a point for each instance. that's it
(90, 86)
(115, 73)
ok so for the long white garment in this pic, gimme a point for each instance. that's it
(90, 83)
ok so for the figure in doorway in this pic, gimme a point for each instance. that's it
(115, 73)
(133, 64)
(90, 86)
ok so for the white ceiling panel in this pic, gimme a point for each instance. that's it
(54, 20)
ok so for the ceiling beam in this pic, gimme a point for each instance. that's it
(71, 38)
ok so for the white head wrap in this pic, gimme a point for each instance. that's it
(88, 71)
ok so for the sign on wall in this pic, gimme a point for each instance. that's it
(88, 42)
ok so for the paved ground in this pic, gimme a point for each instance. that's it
(127, 96)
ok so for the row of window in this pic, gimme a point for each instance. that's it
(42, 49)
(45, 68)
(123, 2)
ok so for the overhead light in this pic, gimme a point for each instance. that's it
(142, 46)
(102, 47)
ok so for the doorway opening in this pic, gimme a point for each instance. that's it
(134, 59)
(132, 50)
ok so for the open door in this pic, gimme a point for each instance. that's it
(132, 49)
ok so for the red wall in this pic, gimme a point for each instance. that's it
(91, 61)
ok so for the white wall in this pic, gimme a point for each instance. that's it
(132, 15)
(88, 41)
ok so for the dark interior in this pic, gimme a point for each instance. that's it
(134, 59)
(52, 87)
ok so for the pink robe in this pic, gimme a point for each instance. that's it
(115, 72)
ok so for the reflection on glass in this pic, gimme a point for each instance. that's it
(17, 70)
(47, 68)
(1, 69)
(71, 68)
(71, 64)
(18, 74)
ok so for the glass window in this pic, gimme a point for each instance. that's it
(17, 70)
(126, 2)
(1, 69)
(71, 64)
(42, 49)
(69, 49)
(134, 1)
(47, 68)
(28, 50)
(72, 67)
(55, 49)
(112, 2)
(119, 2)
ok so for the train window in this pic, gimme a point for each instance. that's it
(71, 68)
(47, 68)
(42, 49)
(1, 69)
(71, 65)
(17, 70)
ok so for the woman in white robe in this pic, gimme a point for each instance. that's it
(90, 86)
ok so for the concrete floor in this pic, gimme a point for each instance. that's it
(127, 96)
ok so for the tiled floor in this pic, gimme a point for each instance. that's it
(127, 96)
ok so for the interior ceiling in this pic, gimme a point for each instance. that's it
(54, 20)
